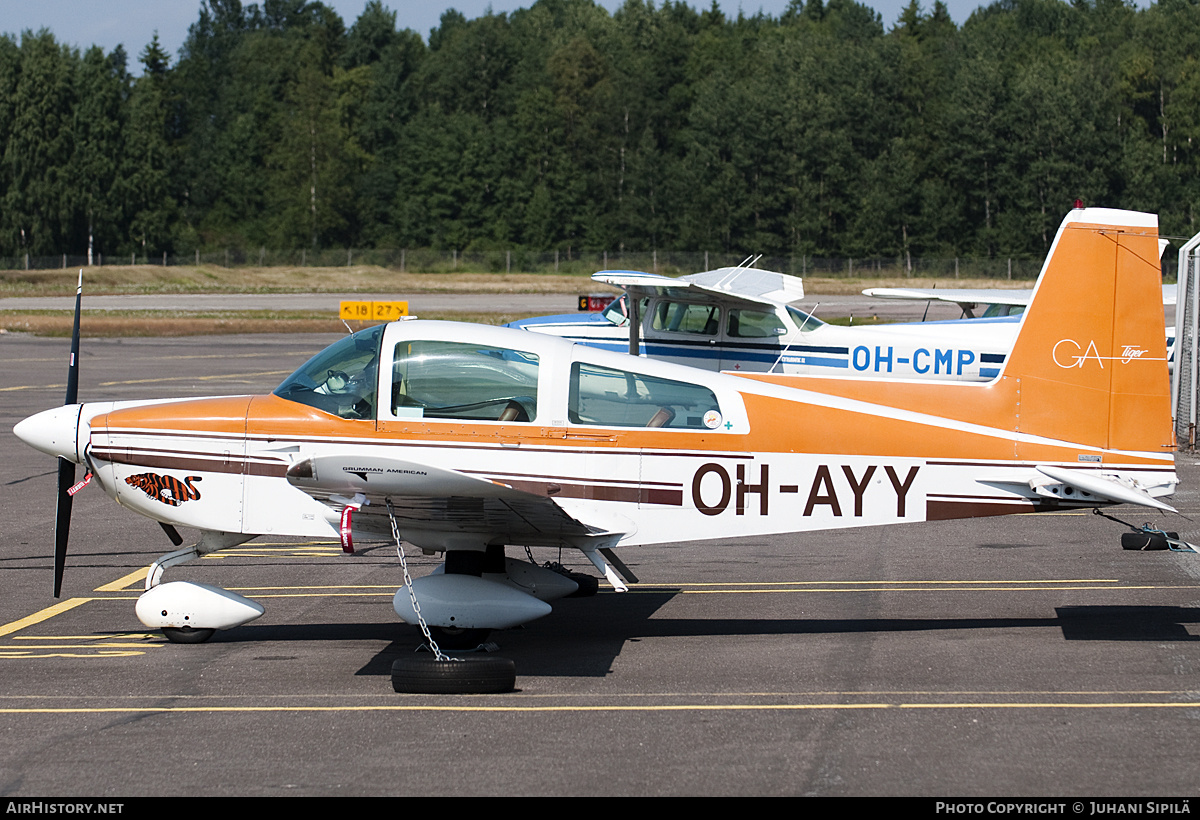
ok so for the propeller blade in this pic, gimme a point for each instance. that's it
(66, 469)
(62, 521)
(73, 367)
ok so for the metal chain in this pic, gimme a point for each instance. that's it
(437, 652)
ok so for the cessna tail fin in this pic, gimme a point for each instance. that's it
(1090, 360)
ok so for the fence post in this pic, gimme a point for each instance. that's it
(556, 260)
(197, 257)
(655, 257)
(1010, 267)
(402, 252)
(508, 261)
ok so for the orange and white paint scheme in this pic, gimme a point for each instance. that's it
(465, 439)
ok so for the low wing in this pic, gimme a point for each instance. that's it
(436, 507)
(750, 287)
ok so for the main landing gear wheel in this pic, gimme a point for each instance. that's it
(1146, 541)
(186, 634)
(589, 585)
(473, 675)
(452, 637)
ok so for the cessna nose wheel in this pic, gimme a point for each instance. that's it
(186, 634)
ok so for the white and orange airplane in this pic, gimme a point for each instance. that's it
(464, 439)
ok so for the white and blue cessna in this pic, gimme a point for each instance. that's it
(744, 319)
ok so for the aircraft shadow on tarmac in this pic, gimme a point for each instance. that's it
(582, 638)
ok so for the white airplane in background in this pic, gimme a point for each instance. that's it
(464, 440)
(991, 303)
(744, 319)
(1001, 305)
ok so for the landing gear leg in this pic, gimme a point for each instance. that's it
(441, 674)
(467, 562)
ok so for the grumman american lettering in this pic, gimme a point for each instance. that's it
(464, 440)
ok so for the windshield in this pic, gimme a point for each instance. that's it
(341, 379)
(804, 321)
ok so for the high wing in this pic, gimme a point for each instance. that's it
(748, 286)
(963, 297)
(970, 298)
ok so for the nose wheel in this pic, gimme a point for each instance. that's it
(187, 634)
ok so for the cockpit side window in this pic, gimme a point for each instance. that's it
(340, 380)
(619, 398)
(459, 380)
(686, 317)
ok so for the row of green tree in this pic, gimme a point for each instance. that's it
(562, 126)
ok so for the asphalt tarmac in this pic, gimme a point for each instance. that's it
(1017, 656)
(824, 306)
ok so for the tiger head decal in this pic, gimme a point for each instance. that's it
(165, 488)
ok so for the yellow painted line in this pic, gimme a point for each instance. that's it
(124, 636)
(732, 707)
(918, 589)
(44, 615)
(120, 585)
(198, 378)
(847, 583)
(34, 654)
(40, 647)
(32, 387)
(389, 588)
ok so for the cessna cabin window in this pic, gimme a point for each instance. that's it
(997, 311)
(341, 379)
(459, 380)
(618, 398)
(617, 311)
(687, 317)
(754, 324)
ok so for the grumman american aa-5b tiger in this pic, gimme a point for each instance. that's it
(464, 440)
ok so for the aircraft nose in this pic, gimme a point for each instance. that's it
(54, 431)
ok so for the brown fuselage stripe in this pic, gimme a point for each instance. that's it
(630, 494)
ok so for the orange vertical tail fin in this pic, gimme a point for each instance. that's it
(1090, 360)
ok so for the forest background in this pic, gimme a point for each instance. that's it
(563, 127)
